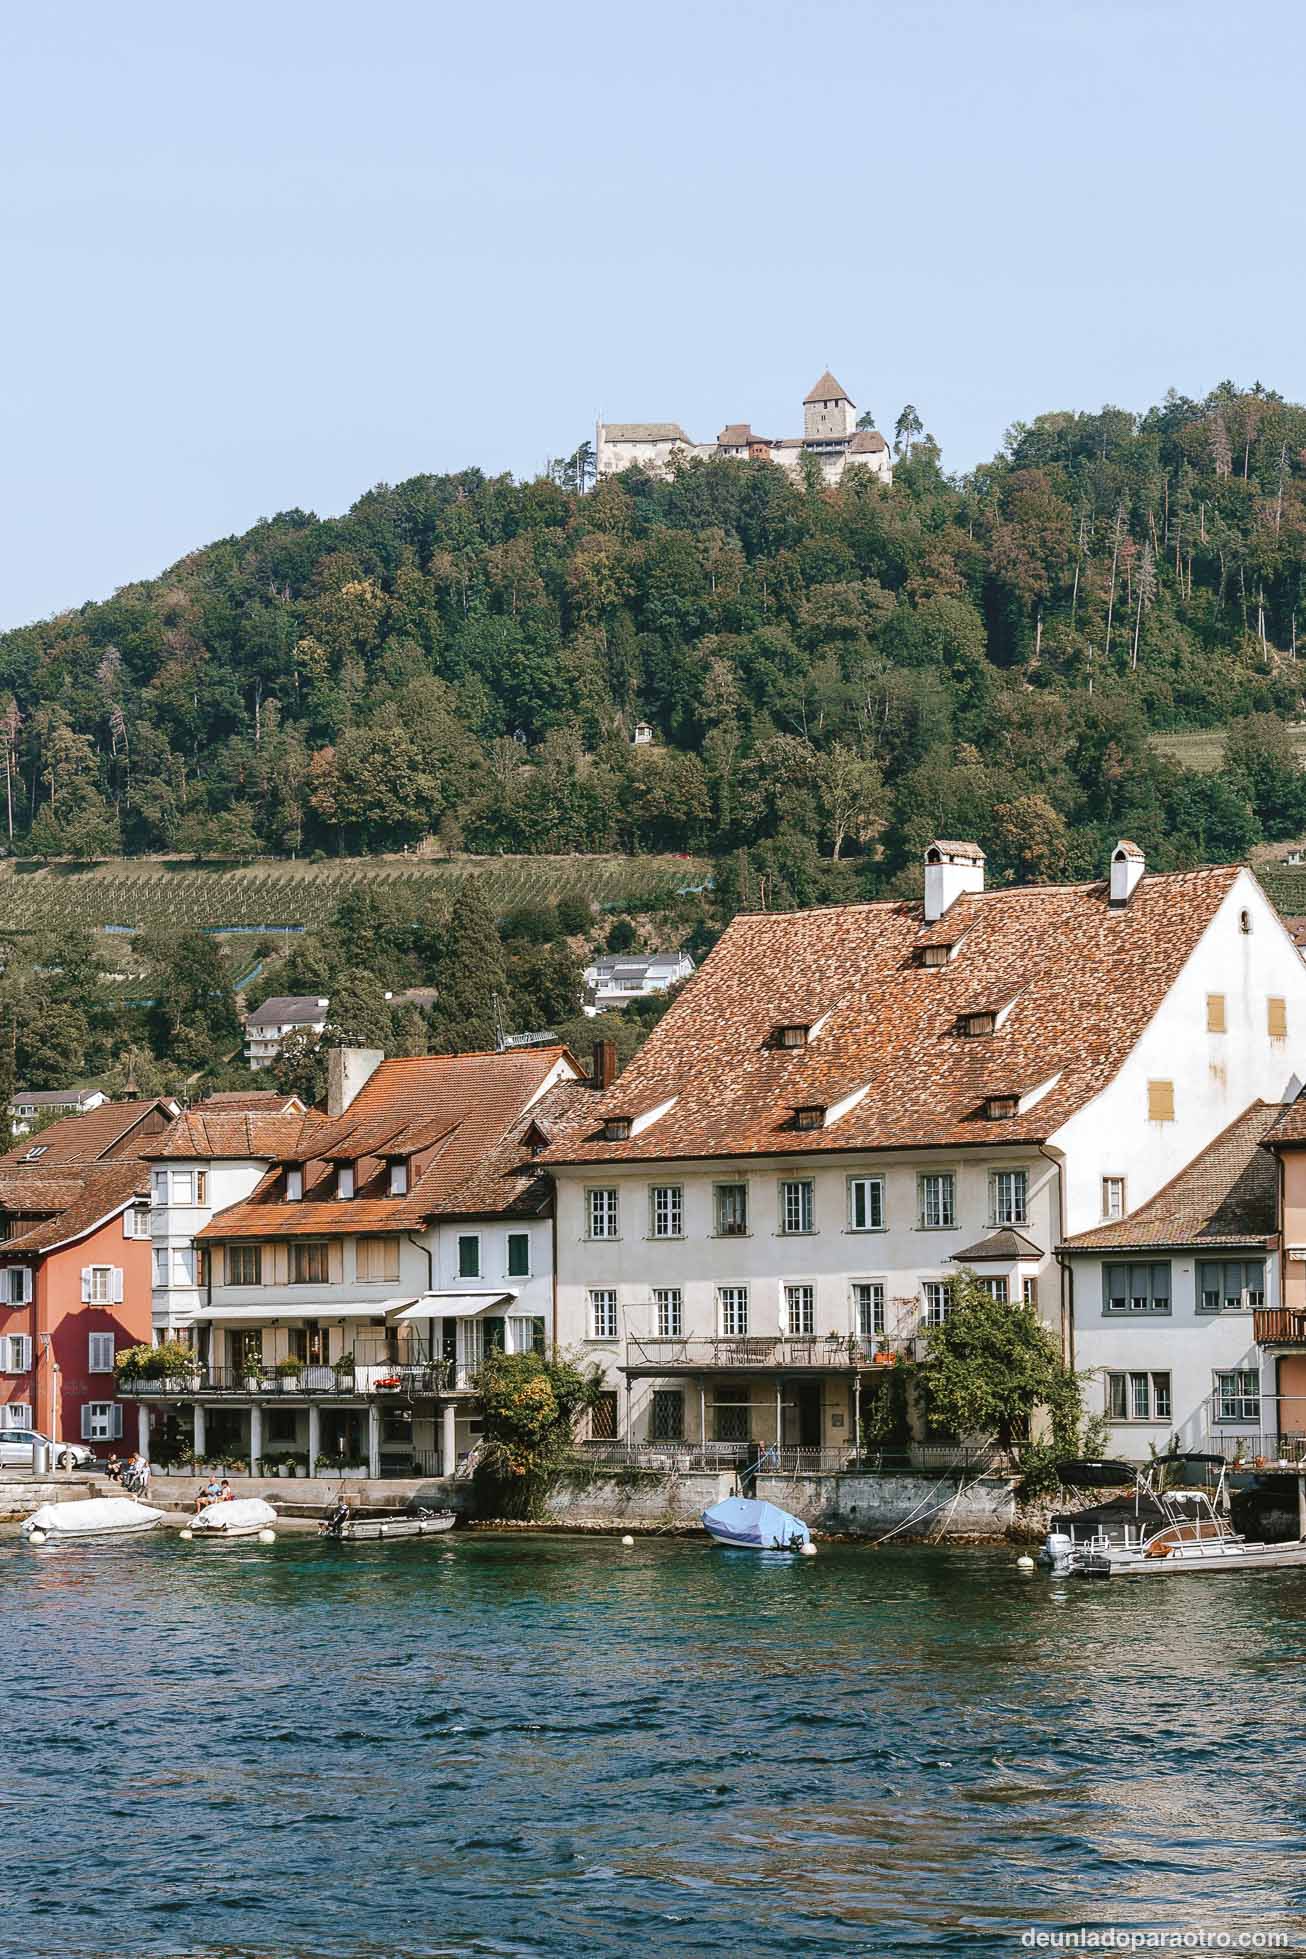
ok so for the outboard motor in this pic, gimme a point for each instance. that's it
(1058, 1550)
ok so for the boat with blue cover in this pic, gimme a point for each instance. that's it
(751, 1525)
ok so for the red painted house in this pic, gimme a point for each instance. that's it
(75, 1279)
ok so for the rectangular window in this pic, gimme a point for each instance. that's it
(1140, 1397)
(866, 1203)
(99, 1353)
(162, 1266)
(938, 1301)
(1160, 1101)
(16, 1285)
(183, 1265)
(603, 1417)
(469, 1255)
(800, 1309)
(201, 1186)
(667, 1206)
(732, 1310)
(1113, 1197)
(294, 1185)
(159, 1186)
(399, 1180)
(1029, 1291)
(669, 1306)
(668, 1418)
(101, 1421)
(376, 1260)
(101, 1285)
(182, 1187)
(603, 1313)
(16, 1353)
(1141, 1288)
(1238, 1396)
(519, 1254)
(345, 1181)
(1215, 1013)
(868, 1308)
(1008, 1195)
(996, 1289)
(136, 1220)
(1276, 1019)
(16, 1414)
(1230, 1285)
(938, 1201)
(601, 1213)
(308, 1263)
(797, 1206)
(731, 1210)
(244, 1265)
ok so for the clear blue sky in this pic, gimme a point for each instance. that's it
(266, 255)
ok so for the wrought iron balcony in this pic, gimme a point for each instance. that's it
(753, 1352)
(379, 1374)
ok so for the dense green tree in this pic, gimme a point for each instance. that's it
(359, 1016)
(473, 1004)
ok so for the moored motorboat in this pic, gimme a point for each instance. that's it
(749, 1524)
(1120, 1528)
(1208, 1554)
(245, 1516)
(89, 1518)
(348, 1526)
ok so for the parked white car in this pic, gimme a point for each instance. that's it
(16, 1445)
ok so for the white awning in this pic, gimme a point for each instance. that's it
(456, 1305)
(277, 1315)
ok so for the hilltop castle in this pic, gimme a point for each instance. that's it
(830, 434)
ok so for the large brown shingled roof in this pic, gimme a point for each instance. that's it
(115, 1129)
(1090, 977)
(208, 1136)
(1226, 1196)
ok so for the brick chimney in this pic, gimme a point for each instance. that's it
(605, 1064)
(348, 1071)
(950, 869)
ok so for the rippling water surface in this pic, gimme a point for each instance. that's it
(528, 1745)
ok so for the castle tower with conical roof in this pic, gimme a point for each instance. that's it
(829, 414)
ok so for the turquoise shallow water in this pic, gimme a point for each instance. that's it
(556, 1746)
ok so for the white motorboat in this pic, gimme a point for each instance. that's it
(379, 1526)
(750, 1525)
(1210, 1554)
(1124, 1525)
(89, 1518)
(243, 1516)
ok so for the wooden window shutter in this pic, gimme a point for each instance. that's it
(1276, 1019)
(86, 1421)
(335, 1261)
(86, 1285)
(1160, 1101)
(115, 1285)
(1215, 1013)
(115, 1419)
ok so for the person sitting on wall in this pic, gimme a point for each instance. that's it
(226, 1494)
(211, 1493)
(113, 1470)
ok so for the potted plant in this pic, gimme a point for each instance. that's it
(343, 1368)
(289, 1370)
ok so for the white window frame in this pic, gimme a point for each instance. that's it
(603, 1313)
(866, 1194)
(936, 1191)
(1129, 1380)
(16, 1285)
(469, 1238)
(936, 1301)
(739, 1184)
(1139, 1296)
(666, 1210)
(797, 1200)
(1249, 1298)
(997, 1289)
(1240, 1407)
(868, 1313)
(15, 1353)
(510, 1238)
(162, 1263)
(15, 1414)
(669, 1309)
(1013, 1206)
(98, 1287)
(799, 1303)
(345, 1181)
(732, 1312)
(136, 1222)
(294, 1184)
(98, 1344)
(398, 1184)
(1113, 1189)
(602, 1212)
(159, 1187)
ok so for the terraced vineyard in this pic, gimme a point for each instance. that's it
(1203, 748)
(142, 893)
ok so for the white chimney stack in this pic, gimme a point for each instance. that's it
(348, 1070)
(950, 869)
(1127, 866)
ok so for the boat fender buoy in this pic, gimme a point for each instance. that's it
(807, 1549)
(185, 1535)
(628, 1541)
(1025, 1562)
(267, 1537)
(36, 1537)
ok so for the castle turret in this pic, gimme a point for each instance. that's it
(829, 413)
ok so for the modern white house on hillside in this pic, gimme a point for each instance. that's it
(619, 978)
(850, 1104)
(267, 1027)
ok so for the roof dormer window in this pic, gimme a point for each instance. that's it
(791, 1034)
(294, 1185)
(616, 1129)
(399, 1177)
(1000, 1108)
(345, 1180)
(811, 1115)
(973, 1025)
(935, 955)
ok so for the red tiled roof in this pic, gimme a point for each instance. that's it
(98, 1194)
(247, 1101)
(460, 1118)
(96, 1136)
(827, 389)
(1226, 1196)
(1290, 1128)
(1091, 978)
(208, 1136)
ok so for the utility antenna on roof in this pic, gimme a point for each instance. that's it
(500, 1032)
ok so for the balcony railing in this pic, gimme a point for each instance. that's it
(380, 1375)
(1278, 1326)
(785, 1352)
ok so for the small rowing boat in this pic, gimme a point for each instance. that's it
(246, 1516)
(348, 1526)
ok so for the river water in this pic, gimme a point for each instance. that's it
(543, 1745)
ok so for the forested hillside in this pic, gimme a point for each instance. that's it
(833, 676)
